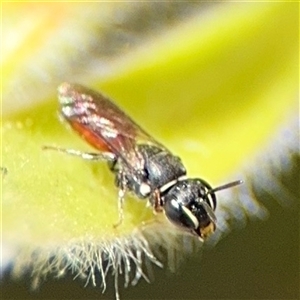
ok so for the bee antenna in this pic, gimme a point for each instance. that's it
(225, 186)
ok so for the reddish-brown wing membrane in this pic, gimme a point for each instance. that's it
(102, 124)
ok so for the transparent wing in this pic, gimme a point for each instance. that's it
(102, 124)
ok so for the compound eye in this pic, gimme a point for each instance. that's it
(180, 215)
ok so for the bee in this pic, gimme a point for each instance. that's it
(141, 165)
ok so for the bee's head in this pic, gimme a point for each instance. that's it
(190, 205)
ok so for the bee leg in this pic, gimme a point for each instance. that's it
(157, 202)
(107, 156)
(121, 182)
(121, 196)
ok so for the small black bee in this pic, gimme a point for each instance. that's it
(141, 165)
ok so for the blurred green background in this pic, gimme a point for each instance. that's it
(213, 81)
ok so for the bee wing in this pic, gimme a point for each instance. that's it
(102, 124)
